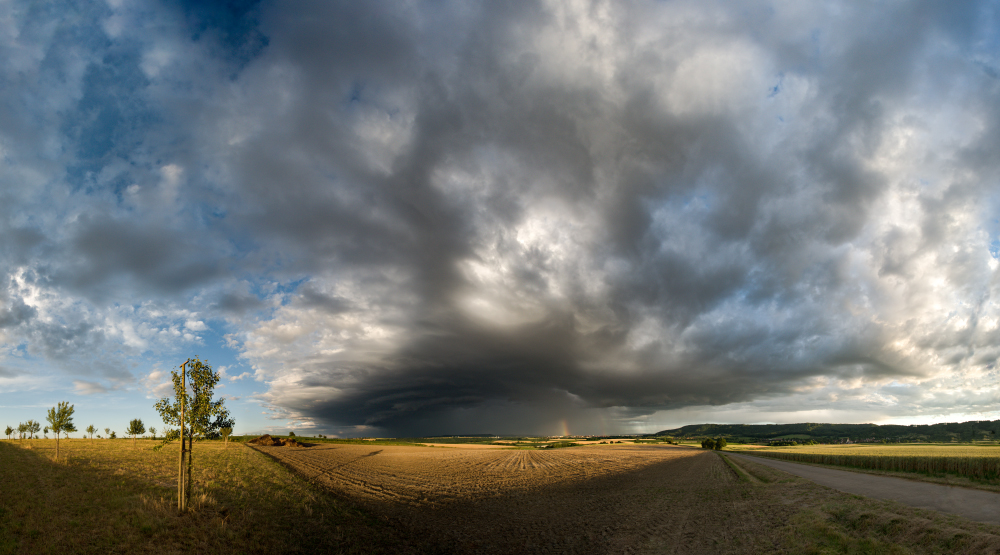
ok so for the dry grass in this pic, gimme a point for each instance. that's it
(104, 496)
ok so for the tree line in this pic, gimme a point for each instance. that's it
(60, 420)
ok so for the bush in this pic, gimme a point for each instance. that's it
(708, 443)
(720, 442)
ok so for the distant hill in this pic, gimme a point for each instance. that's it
(953, 431)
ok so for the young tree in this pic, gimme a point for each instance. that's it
(8, 431)
(22, 429)
(33, 429)
(225, 433)
(113, 435)
(60, 418)
(152, 430)
(197, 414)
(45, 433)
(135, 428)
(107, 432)
(90, 431)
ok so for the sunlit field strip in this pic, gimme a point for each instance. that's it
(895, 450)
(969, 461)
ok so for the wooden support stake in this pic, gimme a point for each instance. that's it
(181, 482)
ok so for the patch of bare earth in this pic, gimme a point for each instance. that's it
(602, 499)
(617, 499)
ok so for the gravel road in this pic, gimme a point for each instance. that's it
(977, 505)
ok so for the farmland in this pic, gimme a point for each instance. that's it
(967, 465)
(885, 450)
(108, 496)
(622, 498)
(829, 433)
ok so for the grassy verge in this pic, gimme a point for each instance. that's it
(740, 475)
(106, 496)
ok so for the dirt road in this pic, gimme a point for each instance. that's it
(977, 505)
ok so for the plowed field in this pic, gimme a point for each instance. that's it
(600, 499)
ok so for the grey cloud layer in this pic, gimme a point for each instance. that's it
(428, 216)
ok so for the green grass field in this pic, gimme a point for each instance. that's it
(106, 496)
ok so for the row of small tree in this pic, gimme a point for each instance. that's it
(30, 429)
(193, 410)
(136, 428)
(60, 418)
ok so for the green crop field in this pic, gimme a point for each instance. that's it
(877, 449)
(974, 462)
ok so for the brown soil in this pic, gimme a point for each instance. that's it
(600, 499)
(269, 441)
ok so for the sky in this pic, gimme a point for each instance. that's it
(532, 217)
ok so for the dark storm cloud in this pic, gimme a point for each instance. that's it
(156, 257)
(712, 231)
(238, 303)
(19, 243)
(311, 297)
(15, 313)
(413, 215)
